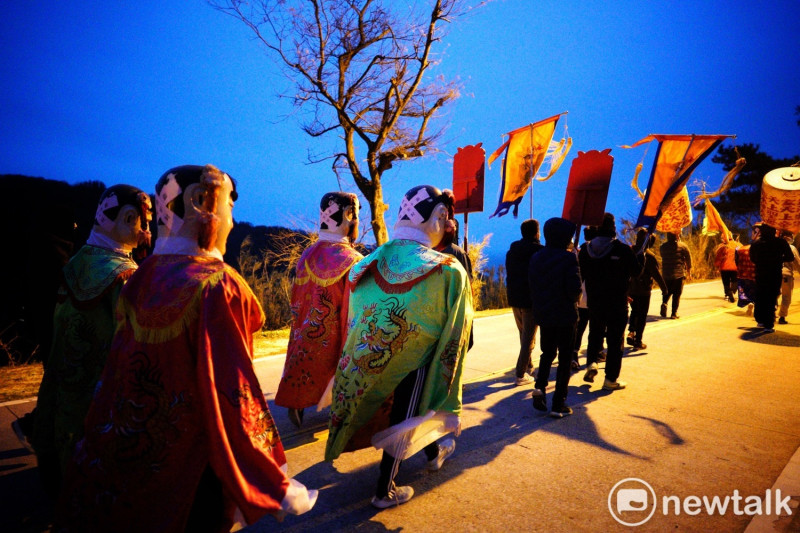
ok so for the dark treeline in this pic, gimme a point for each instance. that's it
(46, 221)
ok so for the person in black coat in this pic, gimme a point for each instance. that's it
(555, 288)
(640, 289)
(518, 292)
(607, 266)
(768, 253)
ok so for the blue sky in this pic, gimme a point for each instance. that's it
(120, 92)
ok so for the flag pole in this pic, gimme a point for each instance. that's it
(466, 232)
(530, 153)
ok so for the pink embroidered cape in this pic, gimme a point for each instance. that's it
(315, 341)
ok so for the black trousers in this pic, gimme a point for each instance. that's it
(583, 321)
(609, 324)
(766, 300)
(640, 305)
(674, 289)
(729, 283)
(404, 406)
(556, 340)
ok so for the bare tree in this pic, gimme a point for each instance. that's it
(357, 68)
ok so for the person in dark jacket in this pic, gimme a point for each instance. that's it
(676, 263)
(555, 283)
(768, 253)
(607, 266)
(641, 287)
(519, 298)
(449, 246)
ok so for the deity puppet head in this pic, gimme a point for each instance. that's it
(338, 214)
(123, 214)
(427, 209)
(196, 202)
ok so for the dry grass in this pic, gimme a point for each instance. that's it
(270, 342)
(20, 381)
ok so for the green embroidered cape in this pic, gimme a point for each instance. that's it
(409, 306)
(83, 326)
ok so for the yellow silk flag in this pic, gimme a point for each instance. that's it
(713, 224)
(677, 215)
(676, 159)
(526, 149)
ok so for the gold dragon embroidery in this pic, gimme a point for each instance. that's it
(383, 343)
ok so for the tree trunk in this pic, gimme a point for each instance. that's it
(377, 207)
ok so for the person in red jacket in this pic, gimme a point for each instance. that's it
(725, 261)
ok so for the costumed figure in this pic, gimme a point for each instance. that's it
(398, 383)
(178, 436)
(83, 326)
(318, 308)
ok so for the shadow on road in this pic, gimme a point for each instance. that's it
(776, 338)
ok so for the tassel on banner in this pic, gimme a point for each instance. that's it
(635, 182)
(727, 181)
(557, 157)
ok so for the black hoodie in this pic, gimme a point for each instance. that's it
(517, 259)
(554, 277)
(607, 266)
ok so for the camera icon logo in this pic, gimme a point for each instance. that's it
(632, 502)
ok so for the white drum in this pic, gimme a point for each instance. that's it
(780, 199)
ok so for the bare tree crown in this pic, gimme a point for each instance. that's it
(357, 69)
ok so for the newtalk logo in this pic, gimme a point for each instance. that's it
(632, 502)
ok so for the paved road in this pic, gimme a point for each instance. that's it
(711, 408)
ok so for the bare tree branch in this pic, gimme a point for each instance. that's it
(357, 68)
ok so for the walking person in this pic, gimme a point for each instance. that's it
(746, 274)
(641, 288)
(84, 324)
(398, 382)
(787, 283)
(555, 283)
(676, 267)
(518, 258)
(768, 253)
(317, 303)
(179, 436)
(583, 309)
(725, 261)
(607, 266)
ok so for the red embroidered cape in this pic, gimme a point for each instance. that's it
(315, 341)
(177, 395)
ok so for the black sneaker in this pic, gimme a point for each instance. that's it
(560, 412)
(630, 339)
(539, 400)
(782, 320)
